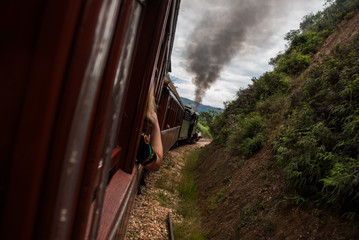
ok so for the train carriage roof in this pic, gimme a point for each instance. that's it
(172, 88)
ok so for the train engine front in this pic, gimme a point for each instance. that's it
(189, 130)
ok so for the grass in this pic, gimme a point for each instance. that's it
(214, 200)
(166, 182)
(163, 199)
(190, 227)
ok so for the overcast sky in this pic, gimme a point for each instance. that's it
(258, 26)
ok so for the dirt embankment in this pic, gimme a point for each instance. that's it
(246, 199)
(344, 33)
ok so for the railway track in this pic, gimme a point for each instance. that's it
(149, 219)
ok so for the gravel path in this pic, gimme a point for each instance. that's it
(160, 196)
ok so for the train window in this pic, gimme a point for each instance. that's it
(169, 114)
(173, 121)
(162, 106)
(148, 57)
(169, 123)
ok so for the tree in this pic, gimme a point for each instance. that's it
(206, 118)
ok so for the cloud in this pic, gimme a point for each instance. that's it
(263, 40)
(218, 37)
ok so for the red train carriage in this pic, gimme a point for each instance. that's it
(75, 79)
(171, 111)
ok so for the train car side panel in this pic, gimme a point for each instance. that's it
(76, 114)
(169, 137)
(110, 104)
(79, 74)
(35, 48)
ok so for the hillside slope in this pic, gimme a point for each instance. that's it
(344, 33)
(246, 199)
(244, 191)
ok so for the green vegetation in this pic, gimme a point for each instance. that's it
(163, 199)
(213, 201)
(318, 144)
(166, 182)
(246, 134)
(336, 11)
(205, 119)
(190, 227)
(309, 116)
(204, 130)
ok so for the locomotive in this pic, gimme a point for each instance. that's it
(75, 79)
(188, 129)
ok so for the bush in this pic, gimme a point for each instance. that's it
(246, 136)
(318, 145)
(293, 63)
(206, 118)
(220, 130)
(251, 145)
(336, 11)
(269, 84)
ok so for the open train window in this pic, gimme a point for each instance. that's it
(146, 71)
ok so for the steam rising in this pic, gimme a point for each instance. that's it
(219, 37)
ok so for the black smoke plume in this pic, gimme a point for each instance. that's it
(219, 37)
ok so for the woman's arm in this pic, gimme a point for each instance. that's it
(156, 142)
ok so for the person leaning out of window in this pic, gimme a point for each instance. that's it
(150, 150)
